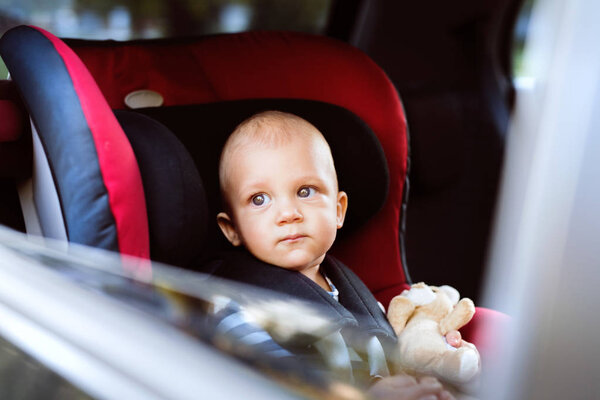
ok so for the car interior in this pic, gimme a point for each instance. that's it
(453, 72)
(147, 173)
(147, 117)
(111, 139)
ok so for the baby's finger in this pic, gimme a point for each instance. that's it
(422, 390)
(430, 380)
(445, 395)
(397, 381)
(454, 338)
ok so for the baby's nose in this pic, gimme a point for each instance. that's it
(289, 213)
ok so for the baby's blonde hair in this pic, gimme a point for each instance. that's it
(266, 129)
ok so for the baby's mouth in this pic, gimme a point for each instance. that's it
(293, 238)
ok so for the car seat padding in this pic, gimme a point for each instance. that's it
(174, 192)
(92, 164)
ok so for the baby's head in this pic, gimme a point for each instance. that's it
(280, 190)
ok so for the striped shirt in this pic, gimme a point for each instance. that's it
(343, 361)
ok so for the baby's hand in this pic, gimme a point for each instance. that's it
(406, 387)
(454, 339)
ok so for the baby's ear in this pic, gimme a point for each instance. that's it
(342, 206)
(228, 228)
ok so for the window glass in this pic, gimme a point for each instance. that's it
(146, 19)
(3, 70)
(520, 35)
(187, 301)
(22, 377)
(134, 19)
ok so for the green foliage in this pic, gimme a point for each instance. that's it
(3, 70)
(519, 38)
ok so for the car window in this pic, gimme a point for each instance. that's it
(146, 19)
(520, 74)
(123, 20)
(185, 300)
(23, 377)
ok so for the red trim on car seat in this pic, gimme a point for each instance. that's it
(115, 156)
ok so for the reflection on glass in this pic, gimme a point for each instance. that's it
(22, 377)
(186, 300)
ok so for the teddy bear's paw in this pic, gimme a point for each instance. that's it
(469, 366)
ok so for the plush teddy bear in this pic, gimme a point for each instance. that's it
(421, 318)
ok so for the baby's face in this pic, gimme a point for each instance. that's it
(284, 202)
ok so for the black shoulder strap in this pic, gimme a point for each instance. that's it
(241, 266)
(358, 299)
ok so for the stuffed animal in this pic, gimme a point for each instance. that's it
(421, 318)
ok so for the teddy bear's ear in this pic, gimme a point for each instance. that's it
(399, 311)
(420, 294)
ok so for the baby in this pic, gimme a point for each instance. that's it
(283, 205)
(280, 189)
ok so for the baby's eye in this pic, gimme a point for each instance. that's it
(260, 199)
(306, 191)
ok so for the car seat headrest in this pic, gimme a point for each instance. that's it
(205, 128)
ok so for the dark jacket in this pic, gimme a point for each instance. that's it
(357, 311)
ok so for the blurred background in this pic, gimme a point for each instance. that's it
(136, 19)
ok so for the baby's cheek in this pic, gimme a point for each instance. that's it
(328, 234)
(253, 234)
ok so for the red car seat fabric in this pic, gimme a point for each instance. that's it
(15, 154)
(272, 65)
(485, 330)
(15, 139)
(12, 113)
(12, 126)
(92, 164)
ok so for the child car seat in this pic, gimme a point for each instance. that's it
(275, 65)
(202, 86)
(85, 186)
(272, 65)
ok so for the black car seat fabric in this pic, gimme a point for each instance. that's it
(173, 189)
